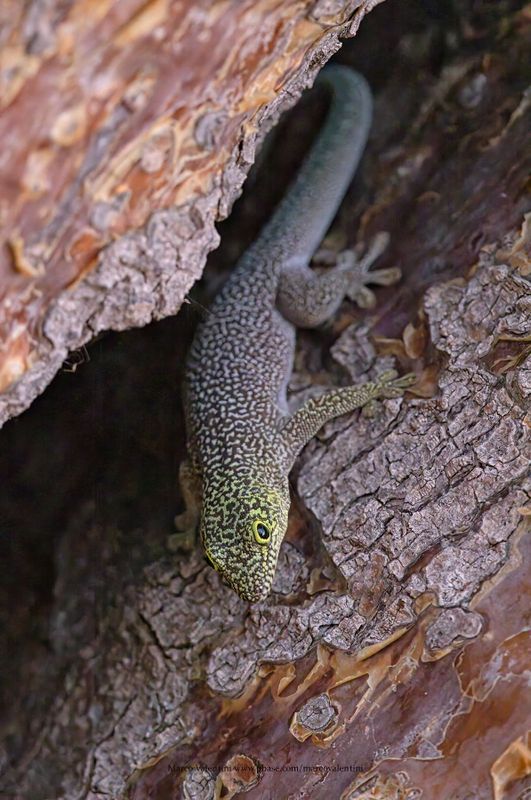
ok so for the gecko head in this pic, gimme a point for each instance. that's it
(241, 538)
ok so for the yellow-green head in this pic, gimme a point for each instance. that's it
(241, 533)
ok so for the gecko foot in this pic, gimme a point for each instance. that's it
(389, 385)
(360, 276)
(393, 386)
(183, 540)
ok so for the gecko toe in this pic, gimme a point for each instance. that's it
(183, 541)
(384, 277)
(369, 409)
(396, 386)
(364, 297)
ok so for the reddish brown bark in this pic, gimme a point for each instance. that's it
(127, 130)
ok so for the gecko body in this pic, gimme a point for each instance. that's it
(242, 441)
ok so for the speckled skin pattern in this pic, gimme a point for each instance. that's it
(242, 442)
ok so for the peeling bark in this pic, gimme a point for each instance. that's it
(391, 658)
(112, 187)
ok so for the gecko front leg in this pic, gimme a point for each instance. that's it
(187, 523)
(310, 417)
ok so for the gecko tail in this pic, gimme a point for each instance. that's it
(301, 220)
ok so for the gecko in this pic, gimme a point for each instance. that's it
(242, 441)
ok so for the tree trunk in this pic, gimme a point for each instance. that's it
(391, 657)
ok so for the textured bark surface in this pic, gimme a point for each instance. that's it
(127, 130)
(390, 662)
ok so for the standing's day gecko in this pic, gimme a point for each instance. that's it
(242, 440)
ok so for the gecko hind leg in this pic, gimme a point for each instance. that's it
(307, 298)
(187, 522)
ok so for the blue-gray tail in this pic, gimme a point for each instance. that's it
(302, 218)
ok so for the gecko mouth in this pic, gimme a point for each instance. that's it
(209, 561)
(248, 590)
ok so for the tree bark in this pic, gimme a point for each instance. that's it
(127, 132)
(391, 657)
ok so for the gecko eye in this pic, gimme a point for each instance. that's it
(262, 531)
